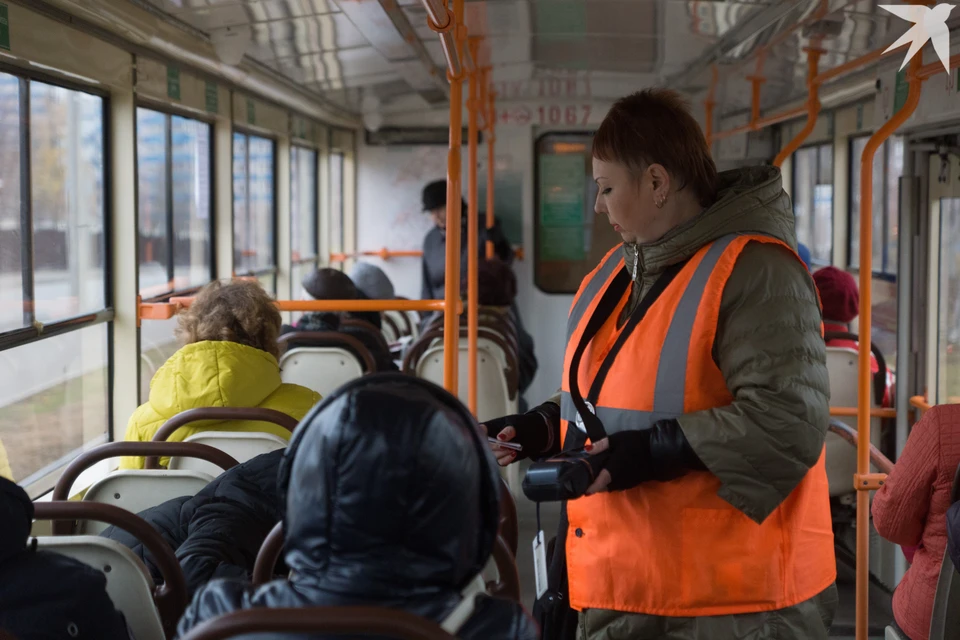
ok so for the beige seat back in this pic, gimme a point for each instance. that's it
(129, 584)
(322, 369)
(241, 445)
(841, 458)
(137, 490)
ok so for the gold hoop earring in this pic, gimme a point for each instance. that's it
(660, 202)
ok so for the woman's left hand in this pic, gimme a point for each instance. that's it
(658, 453)
(629, 457)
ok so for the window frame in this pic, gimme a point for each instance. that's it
(169, 111)
(833, 200)
(854, 163)
(340, 242)
(34, 331)
(273, 270)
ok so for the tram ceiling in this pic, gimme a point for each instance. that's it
(349, 50)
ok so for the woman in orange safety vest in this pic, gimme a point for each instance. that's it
(695, 364)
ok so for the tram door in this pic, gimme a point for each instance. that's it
(943, 270)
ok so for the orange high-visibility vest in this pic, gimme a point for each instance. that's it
(675, 548)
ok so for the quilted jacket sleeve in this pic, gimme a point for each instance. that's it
(771, 352)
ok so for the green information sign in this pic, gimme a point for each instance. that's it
(173, 82)
(859, 117)
(4, 28)
(213, 97)
(251, 112)
(562, 190)
(900, 90)
(562, 206)
(562, 243)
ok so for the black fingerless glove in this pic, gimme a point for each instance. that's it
(660, 453)
(538, 430)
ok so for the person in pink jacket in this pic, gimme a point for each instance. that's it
(910, 510)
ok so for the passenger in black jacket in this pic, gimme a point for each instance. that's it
(330, 284)
(218, 532)
(45, 595)
(392, 500)
(434, 261)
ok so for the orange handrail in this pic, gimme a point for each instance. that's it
(473, 104)
(821, 78)
(813, 108)
(849, 412)
(384, 254)
(167, 310)
(709, 103)
(920, 403)
(864, 481)
(451, 319)
(491, 139)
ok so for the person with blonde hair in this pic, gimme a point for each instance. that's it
(229, 358)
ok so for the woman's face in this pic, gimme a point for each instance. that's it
(630, 204)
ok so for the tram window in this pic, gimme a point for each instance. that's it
(949, 320)
(887, 169)
(254, 210)
(53, 383)
(303, 212)
(336, 202)
(11, 267)
(569, 238)
(813, 200)
(67, 189)
(54, 398)
(152, 155)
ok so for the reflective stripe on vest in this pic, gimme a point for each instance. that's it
(676, 548)
(671, 372)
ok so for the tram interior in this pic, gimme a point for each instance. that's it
(149, 147)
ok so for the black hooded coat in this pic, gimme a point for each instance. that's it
(392, 500)
(45, 595)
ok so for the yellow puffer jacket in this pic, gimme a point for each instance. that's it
(5, 471)
(216, 374)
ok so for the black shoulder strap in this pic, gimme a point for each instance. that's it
(606, 306)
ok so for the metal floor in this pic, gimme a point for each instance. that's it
(843, 627)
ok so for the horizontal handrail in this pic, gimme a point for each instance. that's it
(167, 310)
(919, 402)
(848, 433)
(851, 412)
(386, 254)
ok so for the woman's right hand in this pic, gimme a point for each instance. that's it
(530, 430)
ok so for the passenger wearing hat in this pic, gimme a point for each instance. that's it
(434, 261)
(330, 284)
(840, 298)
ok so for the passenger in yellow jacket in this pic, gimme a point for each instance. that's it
(5, 471)
(229, 359)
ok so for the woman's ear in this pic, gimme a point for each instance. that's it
(660, 179)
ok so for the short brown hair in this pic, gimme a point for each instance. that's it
(654, 126)
(238, 311)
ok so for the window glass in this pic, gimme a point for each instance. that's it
(157, 343)
(11, 267)
(949, 325)
(253, 204)
(303, 204)
(152, 202)
(813, 200)
(53, 399)
(887, 169)
(190, 141)
(336, 202)
(67, 189)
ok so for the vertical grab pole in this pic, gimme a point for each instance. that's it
(813, 106)
(451, 321)
(708, 106)
(491, 139)
(473, 230)
(862, 482)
